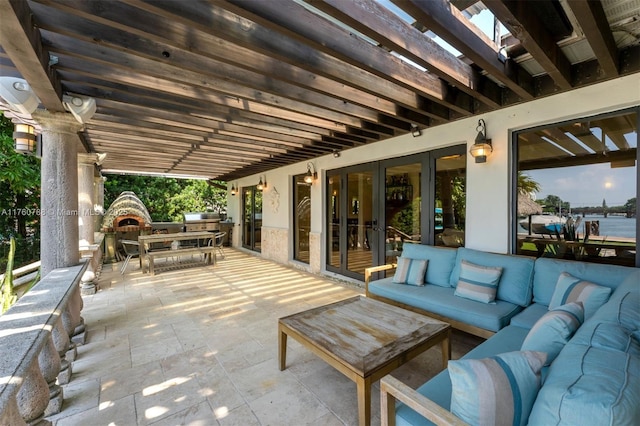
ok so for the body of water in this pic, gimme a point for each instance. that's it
(610, 226)
(613, 226)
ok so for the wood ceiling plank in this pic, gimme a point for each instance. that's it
(449, 23)
(243, 32)
(297, 22)
(195, 85)
(518, 18)
(177, 35)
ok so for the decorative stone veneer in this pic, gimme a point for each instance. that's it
(315, 252)
(275, 244)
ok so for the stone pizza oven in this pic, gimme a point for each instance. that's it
(126, 214)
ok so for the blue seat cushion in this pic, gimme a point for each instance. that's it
(530, 315)
(442, 301)
(516, 283)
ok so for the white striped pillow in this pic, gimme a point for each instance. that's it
(410, 271)
(572, 289)
(554, 329)
(477, 282)
(497, 390)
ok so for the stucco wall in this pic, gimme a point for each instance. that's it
(488, 190)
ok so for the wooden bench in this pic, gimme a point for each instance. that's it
(206, 251)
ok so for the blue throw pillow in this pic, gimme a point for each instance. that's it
(410, 271)
(572, 289)
(554, 329)
(477, 282)
(496, 390)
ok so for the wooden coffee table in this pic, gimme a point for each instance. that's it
(364, 339)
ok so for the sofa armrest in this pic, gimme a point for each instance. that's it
(392, 389)
(371, 270)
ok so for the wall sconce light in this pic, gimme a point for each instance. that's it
(310, 177)
(233, 190)
(336, 153)
(481, 148)
(24, 137)
(262, 185)
(415, 131)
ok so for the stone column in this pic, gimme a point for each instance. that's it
(59, 186)
(86, 166)
(99, 200)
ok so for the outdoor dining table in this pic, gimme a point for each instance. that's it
(202, 238)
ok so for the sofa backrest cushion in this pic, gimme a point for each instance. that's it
(441, 261)
(517, 273)
(547, 272)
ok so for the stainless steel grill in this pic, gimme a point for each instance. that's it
(204, 221)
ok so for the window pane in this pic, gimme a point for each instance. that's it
(302, 218)
(577, 190)
(333, 220)
(402, 208)
(450, 201)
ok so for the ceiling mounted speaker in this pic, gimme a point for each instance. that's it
(82, 107)
(18, 94)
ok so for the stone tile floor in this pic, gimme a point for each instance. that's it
(198, 347)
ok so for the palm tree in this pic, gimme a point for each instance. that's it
(526, 185)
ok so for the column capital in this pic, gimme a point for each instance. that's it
(87, 158)
(61, 122)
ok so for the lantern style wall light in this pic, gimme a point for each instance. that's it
(310, 177)
(262, 185)
(415, 131)
(234, 191)
(24, 137)
(481, 148)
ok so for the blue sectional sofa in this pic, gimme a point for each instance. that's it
(595, 377)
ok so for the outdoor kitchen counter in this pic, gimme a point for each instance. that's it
(202, 237)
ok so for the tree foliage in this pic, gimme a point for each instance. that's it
(19, 199)
(526, 185)
(167, 199)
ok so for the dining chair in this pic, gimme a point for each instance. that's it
(131, 249)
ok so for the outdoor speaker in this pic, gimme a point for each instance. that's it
(18, 94)
(82, 107)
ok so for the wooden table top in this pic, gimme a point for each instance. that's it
(363, 333)
(175, 236)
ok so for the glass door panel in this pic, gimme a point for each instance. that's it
(359, 221)
(247, 213)
(301, 218)
(450, 200)
(402, 209)
(333, 220)
(251, 218)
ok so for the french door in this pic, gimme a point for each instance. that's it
(374, 209)
(251, 218)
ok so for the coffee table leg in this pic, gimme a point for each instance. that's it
(282, 348)
(446, 351)
(364, 401)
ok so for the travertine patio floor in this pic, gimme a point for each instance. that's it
(198, 347)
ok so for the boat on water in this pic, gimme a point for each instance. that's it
(543, 223)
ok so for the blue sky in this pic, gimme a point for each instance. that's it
(584, 186)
